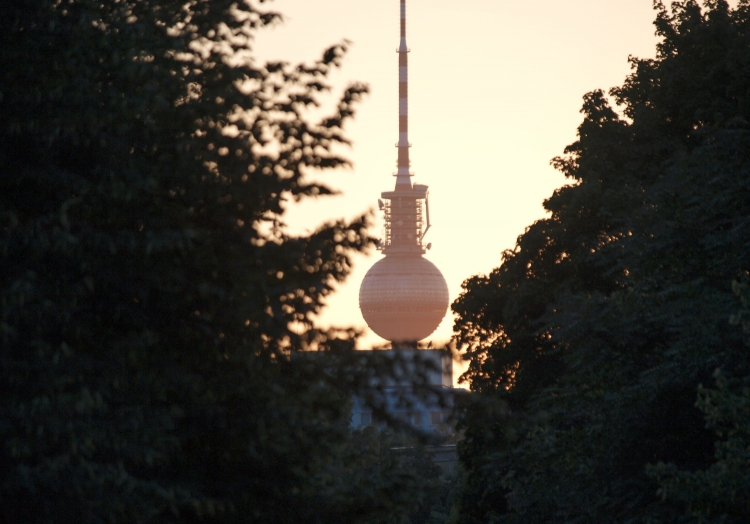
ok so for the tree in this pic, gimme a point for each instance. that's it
(716, 493)
(589, 342)
(392, 471)
(149, 294)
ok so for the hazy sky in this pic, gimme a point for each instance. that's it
(495, 89)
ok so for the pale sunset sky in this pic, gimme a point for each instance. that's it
(495, 90)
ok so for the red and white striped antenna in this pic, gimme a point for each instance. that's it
(403, 175)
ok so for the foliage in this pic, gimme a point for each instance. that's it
(392, 471)
(149, 295)
(587, 345)
(717, 493)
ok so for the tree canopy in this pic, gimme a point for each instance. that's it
(150, 297)
(591, 343)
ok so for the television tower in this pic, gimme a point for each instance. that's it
(404, 297)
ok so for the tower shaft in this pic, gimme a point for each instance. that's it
(404, 225)
(404, 297)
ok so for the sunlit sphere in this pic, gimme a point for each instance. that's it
(403, 298)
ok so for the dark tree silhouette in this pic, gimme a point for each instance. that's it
(588, 344)
(148, 288)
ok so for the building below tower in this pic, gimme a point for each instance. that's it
(421, 395)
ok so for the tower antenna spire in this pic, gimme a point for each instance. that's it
(403, 175)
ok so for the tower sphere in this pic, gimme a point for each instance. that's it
(403, 298)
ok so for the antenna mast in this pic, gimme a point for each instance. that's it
(403, 175)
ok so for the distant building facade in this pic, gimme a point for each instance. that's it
(420, 409)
